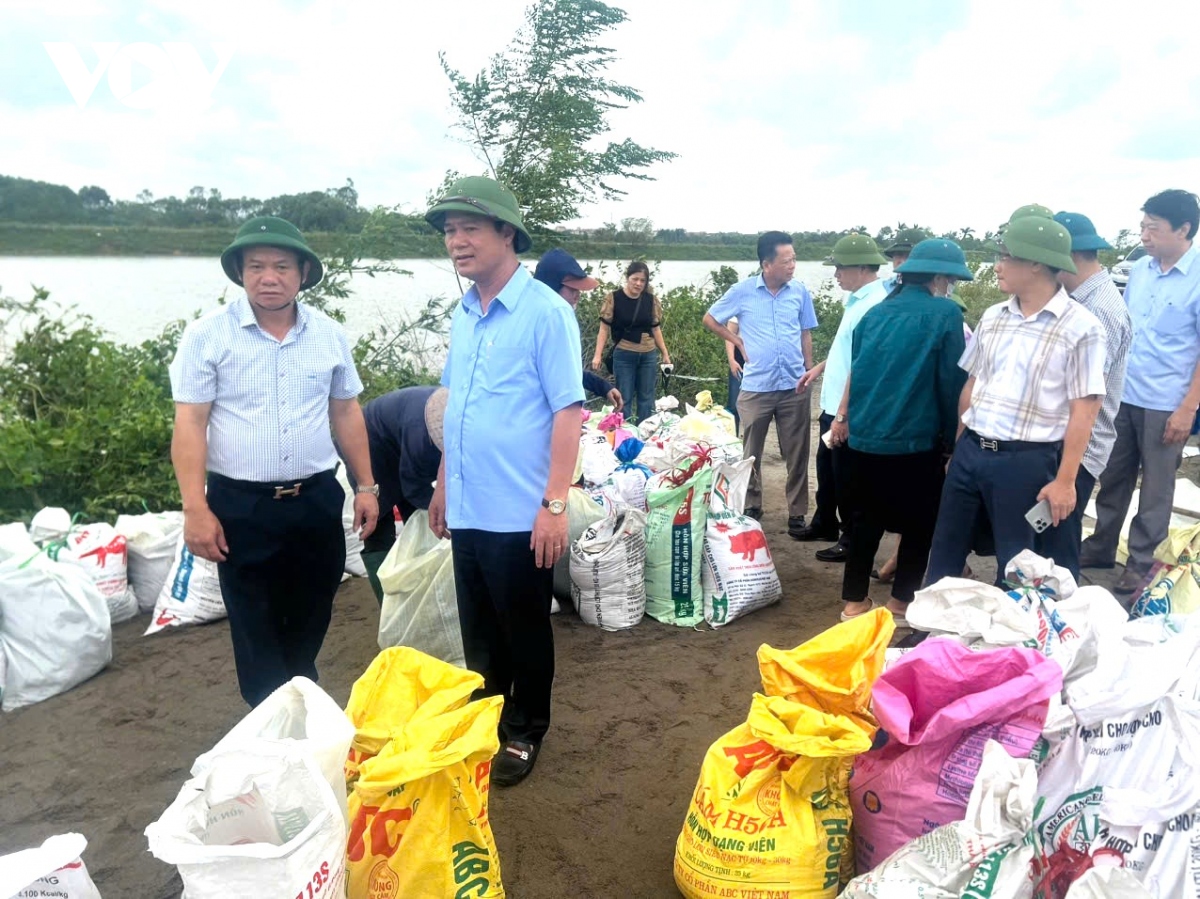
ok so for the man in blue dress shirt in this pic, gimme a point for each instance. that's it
(257, 385)
(511, 438)
(775, 321)
(1161, 392)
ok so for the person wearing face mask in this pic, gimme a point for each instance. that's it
(562, 273)
(633, 315)
(898, 418)
(1035, 382)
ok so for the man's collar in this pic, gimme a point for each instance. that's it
(509, 295)
(1057, 306)
(245, 313)
(1184, 263)
(761, 282)
(1090, 284)
(865, 291)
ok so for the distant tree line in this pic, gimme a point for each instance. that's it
(37, 202)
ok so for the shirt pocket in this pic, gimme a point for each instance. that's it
(506, 368)
(316, 379)
(1175, 320)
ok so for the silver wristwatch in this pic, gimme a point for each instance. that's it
(372, 489)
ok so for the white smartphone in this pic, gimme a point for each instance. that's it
(1040, 516)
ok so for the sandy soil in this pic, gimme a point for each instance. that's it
(634, 713)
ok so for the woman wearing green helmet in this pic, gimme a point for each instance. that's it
(899, 417)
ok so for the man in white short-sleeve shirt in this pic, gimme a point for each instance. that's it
(257, 386)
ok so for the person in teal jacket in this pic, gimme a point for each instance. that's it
(899, 418)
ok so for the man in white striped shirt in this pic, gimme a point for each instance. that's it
(1092, 287)
(257, 385)
(1036, 367)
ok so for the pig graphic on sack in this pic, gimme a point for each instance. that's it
(747, 544)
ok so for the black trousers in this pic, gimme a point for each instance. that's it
(833, 487)
(898, 494)
(1071, 542)
(1003, 486)
(504, 614)
(282, 570)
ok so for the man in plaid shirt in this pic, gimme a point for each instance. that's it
(1036, 379)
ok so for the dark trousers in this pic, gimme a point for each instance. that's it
(1072, 528)
(898, 494)
(1003, 486)
(833, 513)
(282, 570)
(504, 613)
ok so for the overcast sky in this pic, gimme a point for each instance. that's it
(785, 113)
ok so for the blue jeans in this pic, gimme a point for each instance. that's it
(735, 387)
(636, 375)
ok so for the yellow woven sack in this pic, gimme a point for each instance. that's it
(400, 685)
(770, 814)
(419, 804)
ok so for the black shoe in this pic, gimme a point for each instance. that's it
(753, 512)
(1093, 560)
(835, 553)
(812, 533)
(795, 525)
(513, 762)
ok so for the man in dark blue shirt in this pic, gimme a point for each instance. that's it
(562, 273)
(404, 431)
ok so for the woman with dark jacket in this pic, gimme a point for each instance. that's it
(632, 316)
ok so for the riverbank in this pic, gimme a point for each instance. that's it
(19, 239)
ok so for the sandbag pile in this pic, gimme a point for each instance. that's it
(704, 561)
(1073, 729)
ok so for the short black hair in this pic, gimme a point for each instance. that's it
(917, 277)
(1089, 255)
(769, 244)
(1177, 207)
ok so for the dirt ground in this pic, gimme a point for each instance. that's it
(634, 713)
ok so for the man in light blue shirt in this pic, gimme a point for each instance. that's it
(511, 435)
(856, 261)
(775, 321)
(1162, 389)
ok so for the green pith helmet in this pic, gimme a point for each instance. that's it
(476, 195)
(1037, 239)
(269, 231)
(905, 240)
(1034, 209)
(1082, 231)
(937, 256)
(855, 249)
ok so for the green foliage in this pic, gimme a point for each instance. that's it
(981, 293)
(829, 306)
(85, 422)
(535, 113)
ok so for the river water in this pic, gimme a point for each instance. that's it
(133, 298)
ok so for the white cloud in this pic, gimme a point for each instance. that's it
(782, 116)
